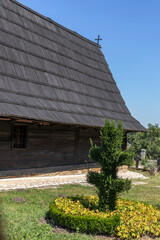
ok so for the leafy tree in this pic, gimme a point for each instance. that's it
(148, 140)
(109, 155)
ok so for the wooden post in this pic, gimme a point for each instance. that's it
(137, 162)
(76, 144)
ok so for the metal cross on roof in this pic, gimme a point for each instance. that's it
(98, 39)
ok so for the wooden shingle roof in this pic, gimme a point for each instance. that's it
(50, 73)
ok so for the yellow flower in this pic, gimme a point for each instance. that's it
(136, 217)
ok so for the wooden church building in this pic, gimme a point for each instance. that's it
(56, 89)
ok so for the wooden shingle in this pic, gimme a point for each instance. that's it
(50, 73)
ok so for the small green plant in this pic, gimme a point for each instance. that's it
(144, 161)
(110, 156)
(127, 158)
(147, 164)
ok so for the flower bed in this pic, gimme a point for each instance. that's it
(136, 218)
(73, 215)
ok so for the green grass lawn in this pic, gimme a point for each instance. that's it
(24, 212)
(148, 193)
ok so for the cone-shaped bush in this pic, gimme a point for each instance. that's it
(108, 154)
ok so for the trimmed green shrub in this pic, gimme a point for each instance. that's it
(110, 156)
(88, 224)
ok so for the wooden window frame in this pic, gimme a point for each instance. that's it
(12, 137)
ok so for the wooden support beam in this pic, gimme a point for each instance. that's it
(5, 119)
(17, 120)
(24, 121)
(44, 123)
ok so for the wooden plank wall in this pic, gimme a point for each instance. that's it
(84, 143)
(46, 147)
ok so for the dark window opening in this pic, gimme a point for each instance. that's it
(19, 136)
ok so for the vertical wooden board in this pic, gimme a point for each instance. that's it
(76, 146)
(51, 138)
(5, 136)
(39, 137)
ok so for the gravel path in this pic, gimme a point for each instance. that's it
(46, 181)
(131, 175)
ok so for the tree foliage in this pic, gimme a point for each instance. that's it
(148, 140)
(108, 154)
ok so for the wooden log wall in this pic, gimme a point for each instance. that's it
(46, 147)
(84, 143)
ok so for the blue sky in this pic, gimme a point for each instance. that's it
(131, 44)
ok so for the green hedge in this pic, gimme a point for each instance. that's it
(89, 224)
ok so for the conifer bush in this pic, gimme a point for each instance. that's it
(109, 155)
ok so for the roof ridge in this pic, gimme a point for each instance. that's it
(55, 23)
